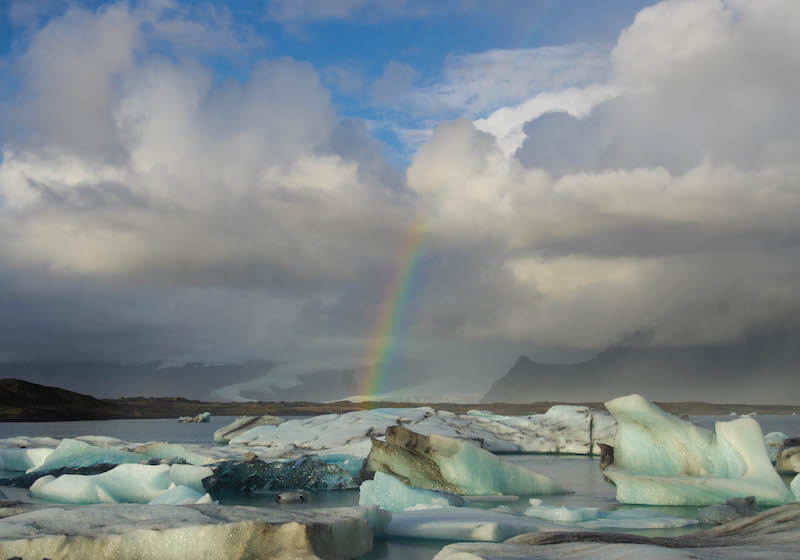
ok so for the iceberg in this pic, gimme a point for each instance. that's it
(21, 460)
(180, 496)
(788, 456)
(308, 473)
(127, 483)
(387, 492)
(441, 463)
(562, 429)
(731, 510)
(168, 532)
(203, 417)
(660, 459)
(774, 441)
(243, 424)
(173, 453)
(75, 453)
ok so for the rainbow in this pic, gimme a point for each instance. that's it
(391, 312)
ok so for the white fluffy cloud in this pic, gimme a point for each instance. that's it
(667, 209)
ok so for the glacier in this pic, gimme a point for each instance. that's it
(390, 494)
(660, 459)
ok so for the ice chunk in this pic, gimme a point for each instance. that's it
(172, 451)
(453, 523)
(190, 475)
(560, 514)
(661, 459)
(243, 424)
(128, 483)
(387, 492)
(75, 453)
(166, 532)
(21, 460)
(795, 486)
(203, 417)
(440, 463)
(308, 473)
(638, 518)
(774, 441)
(328, 433)
(179, 496)
(788, 459)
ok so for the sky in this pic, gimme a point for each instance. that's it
(408, 189)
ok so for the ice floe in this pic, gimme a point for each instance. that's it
(662, 459)
(455, 523)
(389, 493)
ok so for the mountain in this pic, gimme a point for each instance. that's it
(192, 380)
(21, 400)
(761, 370)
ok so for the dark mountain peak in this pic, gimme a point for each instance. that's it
(20, 393)
(522, 362)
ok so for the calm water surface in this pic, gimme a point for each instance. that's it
(579, 473)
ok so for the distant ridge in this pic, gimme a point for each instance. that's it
(25, 401)
(754, 371)
(22, 400)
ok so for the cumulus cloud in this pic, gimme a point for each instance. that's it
(125, 167)
(667, 209)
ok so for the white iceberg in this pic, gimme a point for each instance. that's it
(166, 532)
(662, 459)
(180, 496)
(20, 460)
(203, 417)
(774, 441)
(172, 451)
(76, 453)
(243, 424)
(563, 429)
(127, 483)
(387, 492)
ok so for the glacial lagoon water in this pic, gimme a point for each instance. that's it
(579, 473)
